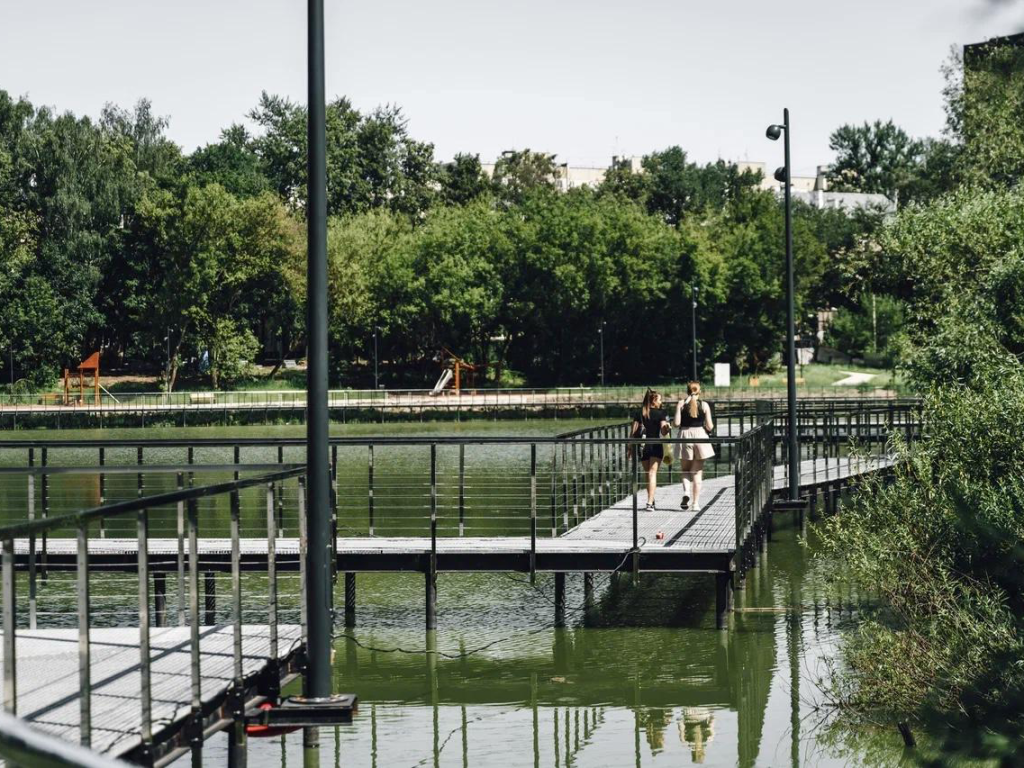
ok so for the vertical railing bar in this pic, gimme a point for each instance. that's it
(10, 628)
(181, 554)
(144, 660)
(533, 512)
(32, 576)
(236, 583)
(272, 572)
(370, 485)
(303, 544)
(433, 507)
(462, 490)
(196, 736)
(84, 652)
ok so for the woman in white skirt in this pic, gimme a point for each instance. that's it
(693, 417)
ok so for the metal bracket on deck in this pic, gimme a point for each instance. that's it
(299, 711)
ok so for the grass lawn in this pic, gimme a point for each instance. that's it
(821, 375)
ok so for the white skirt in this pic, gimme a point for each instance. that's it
(690, 451)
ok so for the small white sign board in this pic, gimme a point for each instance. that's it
(722, 375)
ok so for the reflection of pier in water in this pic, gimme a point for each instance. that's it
(675, 688)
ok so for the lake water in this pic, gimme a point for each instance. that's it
(644, 679)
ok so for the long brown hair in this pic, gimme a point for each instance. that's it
(649, 399)
(693, 388)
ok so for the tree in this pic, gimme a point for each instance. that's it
(516, 173)
(231, 162)
(215, 269)
(463, 180)
(672, 187)
(371, 160)
(985, 112)
(875, 158)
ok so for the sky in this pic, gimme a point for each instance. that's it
(583, 79)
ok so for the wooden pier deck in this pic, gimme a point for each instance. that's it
(48, 677)
(703, 541)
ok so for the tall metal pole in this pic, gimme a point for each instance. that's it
(600, 333)
(319, 601)
(794, 446)
(694, 327)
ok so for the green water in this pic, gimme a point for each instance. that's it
(643, 678)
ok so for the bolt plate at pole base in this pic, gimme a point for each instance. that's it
(306, 712)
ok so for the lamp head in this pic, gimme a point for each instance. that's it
(780, 174)
(774, 132)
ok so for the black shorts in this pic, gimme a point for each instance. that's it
(652, 451)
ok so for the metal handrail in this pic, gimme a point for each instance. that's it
(118, 508)
(159, 741)
(23, 745)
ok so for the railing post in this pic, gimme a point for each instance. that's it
(84, 657)
(196, 726)
(554, 510)
(303, 547)
(181, 554)
(272, 572)
(144, 660)
(31, 553)
(369, 470)
(462, 490)
(533, 513)
(432, 565)
(10, 628)
(636, 528)
(237, 735)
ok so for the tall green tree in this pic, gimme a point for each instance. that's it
(874, 157)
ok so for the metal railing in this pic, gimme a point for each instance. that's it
(164, 731)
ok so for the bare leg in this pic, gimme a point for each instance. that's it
(698, 479)
(686, 472)
(651, 466)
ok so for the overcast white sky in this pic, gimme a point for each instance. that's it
(586, 79)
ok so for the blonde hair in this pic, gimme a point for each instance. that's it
(693, 389)
(649, 398)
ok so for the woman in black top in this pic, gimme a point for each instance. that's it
(651, 422)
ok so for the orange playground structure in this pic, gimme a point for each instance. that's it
(76, 380)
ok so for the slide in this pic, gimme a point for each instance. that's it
(442, 382)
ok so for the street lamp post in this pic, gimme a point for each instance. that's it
(694, 328)
(319, 600)
(600, 334)
(784, 176)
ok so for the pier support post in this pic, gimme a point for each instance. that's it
(588, 593)
(160, 598)
(560, 599)
(431, 581)
(210, 588)
(350, 599)
(723, 599)
(237, 747)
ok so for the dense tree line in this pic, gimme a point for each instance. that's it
(112, 238)
(939, 648)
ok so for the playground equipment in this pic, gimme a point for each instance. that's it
(76, 380)
(457, 371)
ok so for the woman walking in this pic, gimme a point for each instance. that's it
(693, 417)
(651, 422)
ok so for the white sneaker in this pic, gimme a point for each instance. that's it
(694, 508)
